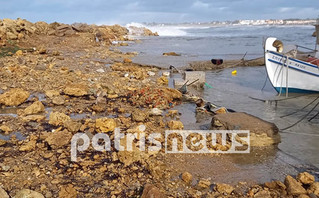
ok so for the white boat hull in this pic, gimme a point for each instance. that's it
(290, 74)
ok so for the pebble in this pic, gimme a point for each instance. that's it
(150, 73)
(156, 112)
(100, 70)
(166, 74)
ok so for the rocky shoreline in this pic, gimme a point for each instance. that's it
(57, 80)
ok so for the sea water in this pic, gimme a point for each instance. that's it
(236, 92)
(205, 43)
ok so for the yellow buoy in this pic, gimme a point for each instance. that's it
(234, 72)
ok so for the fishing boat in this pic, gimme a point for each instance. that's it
(288, 70)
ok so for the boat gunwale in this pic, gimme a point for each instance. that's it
(292, 67)
(293, 59)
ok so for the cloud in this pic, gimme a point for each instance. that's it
(126, 11)
(286, 9)
(200, 5)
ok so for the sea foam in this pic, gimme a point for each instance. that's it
(161, 29)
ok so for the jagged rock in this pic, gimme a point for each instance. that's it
(40, 67)
(57, 118)
(314, 188)
(203, 184)
(36, 107)
(141, 31)
(105, 125)
(63, 26)
(67, 191)
(14, 97)
(3, 193)
(220, 110)
(275, 185)
(56, 53)
(151, 191)
(172, 113)
(58, 100)
(127, 60)
(11, 36)
(138, 116)
(305, 178)
(52, 93)
(72, 125)
(42, 51)
(224, 188)
(26, 193)
(303, 196)
(82, 27)
(129, 157)
(170, 54)
(19, 53)
(262, 133)
(148, 32)
(112, 96)
(187, 177)
(29, 146)
(2, 143)
(41, 27)
(162, 80)
(175, 125)
(6, 129)
(100, 106)
(37, 118)
(20, 36)
(76, 90)
(294, 187)
(172, 93)
(58, 139)
(263, 194)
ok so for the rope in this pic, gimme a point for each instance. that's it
(308, 134)
(276, 100)
(301, 118)
(287, 76)
(282, 76)
(264, 84)
(300, 109)
(313, 117)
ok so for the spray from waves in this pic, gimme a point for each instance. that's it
(161, 29)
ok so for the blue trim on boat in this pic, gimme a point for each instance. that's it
(317, 75)
(298, 61)
(294, 90)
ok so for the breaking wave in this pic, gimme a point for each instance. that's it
(161, 29)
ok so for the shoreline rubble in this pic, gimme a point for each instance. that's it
(77, 73)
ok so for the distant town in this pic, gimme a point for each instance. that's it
(249, 22)
(275, 22)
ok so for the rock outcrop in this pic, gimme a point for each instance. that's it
(262, 133)
(21, 29)
(14, 97)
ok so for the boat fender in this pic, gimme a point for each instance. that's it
(278, 45)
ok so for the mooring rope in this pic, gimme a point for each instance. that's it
(313, 117)
(305, 116)
(301, 108)
(308, 134)
(277, 100)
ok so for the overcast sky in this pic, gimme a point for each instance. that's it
(175, 11)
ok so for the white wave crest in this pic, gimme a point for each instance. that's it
(161, 29)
